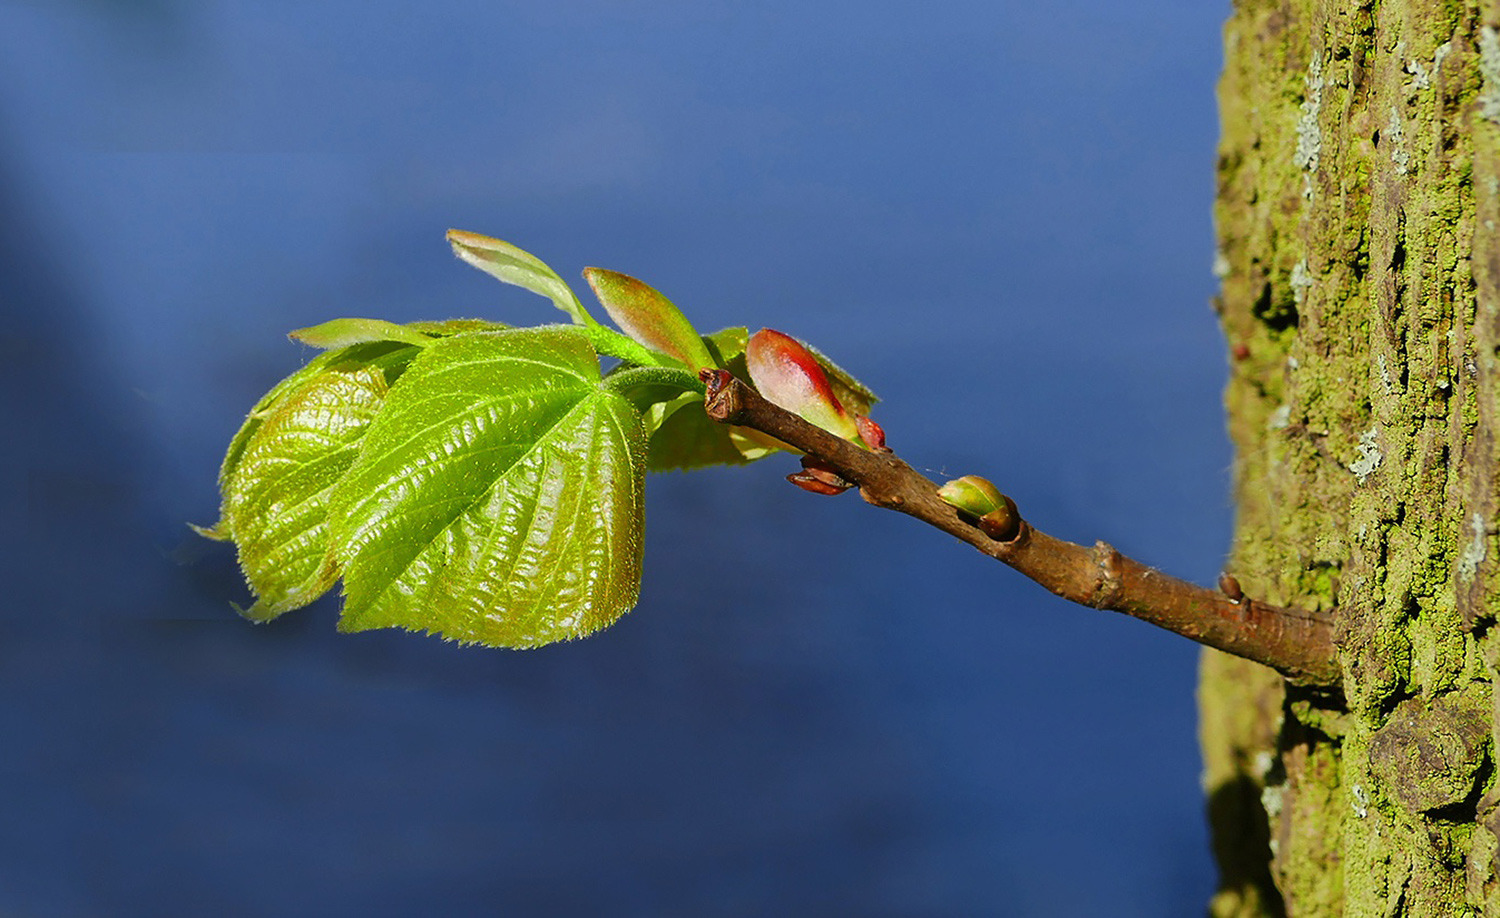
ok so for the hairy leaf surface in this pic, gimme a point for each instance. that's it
(497, 498)
(284, 463)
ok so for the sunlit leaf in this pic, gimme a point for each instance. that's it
(354, 354)
(497, 498)
(283, 467)
(485, 483)
(351, 356)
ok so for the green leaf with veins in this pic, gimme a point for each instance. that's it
(283, 465)
(472, 480)
(497, 497)
(355, 355)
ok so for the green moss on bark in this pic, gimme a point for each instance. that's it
(1360, 261)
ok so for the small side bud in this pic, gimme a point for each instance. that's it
(993, 512)
(973, 495)
(870, 432)
(1230, 586)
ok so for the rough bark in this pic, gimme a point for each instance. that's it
(1359, 250)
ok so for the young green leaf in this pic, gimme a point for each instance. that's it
(343, 332)
(514, 266)
(359, 354)
(277, 487)
(650, 318)
(497, 498)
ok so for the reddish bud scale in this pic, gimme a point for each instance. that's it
(788, 375)
(870, 432)
(819, 477)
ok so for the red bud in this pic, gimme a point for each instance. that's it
(788, 375)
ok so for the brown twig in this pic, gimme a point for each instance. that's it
(1296, 643)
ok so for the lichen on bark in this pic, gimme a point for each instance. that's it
(1360, 263)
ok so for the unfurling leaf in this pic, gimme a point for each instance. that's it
(282, 466)
(514, 266)
(497, 498)
(648, 317)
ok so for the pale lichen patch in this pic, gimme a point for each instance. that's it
(1300, 280)
(1489, 70)
(1309, 138)
(1421, 75)
(1370, 455)
(1474, 552)
(1271, 799)
(1400, 156)
(1420, 78)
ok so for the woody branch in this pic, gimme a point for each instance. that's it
(1297, 643)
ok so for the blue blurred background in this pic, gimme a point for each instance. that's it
(995, 213)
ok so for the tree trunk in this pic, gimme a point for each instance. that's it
(1359, 249)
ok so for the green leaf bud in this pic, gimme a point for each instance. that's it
(974, 496)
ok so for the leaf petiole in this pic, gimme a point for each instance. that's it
(611, 343)
(674, 377)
